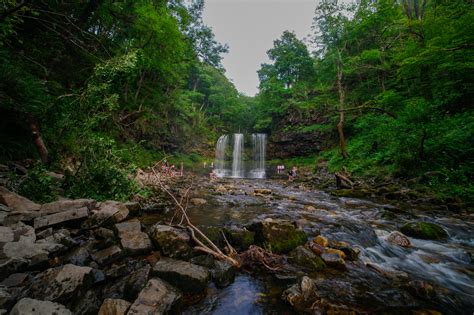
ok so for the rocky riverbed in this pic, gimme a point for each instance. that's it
(333, 255)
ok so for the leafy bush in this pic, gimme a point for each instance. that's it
(102, 175)
(38, 186)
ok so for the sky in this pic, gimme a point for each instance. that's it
(249, 27)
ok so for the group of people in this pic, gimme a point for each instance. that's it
(171, 170)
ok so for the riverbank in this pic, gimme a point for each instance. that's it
(330, 253)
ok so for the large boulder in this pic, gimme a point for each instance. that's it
(16, 202)
(27, 306)
(132, 239)
(66, 205)
(186, 276)
(240, 238)
(305, 258)
(158, 297)
(280, 236)
(61, 217)
(424, 230)
(61, 284)
(108, 213)
(114, 307)
(172, 242)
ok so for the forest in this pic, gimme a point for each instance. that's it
(135, 178)
(106, 87)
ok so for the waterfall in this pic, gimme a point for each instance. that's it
(259, 141)
(237, 166)
(246, 161)
(221, 147)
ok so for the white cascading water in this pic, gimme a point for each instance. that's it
(259, 146)
(221, 147)
(237, 166)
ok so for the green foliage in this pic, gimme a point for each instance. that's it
(101, 175)
(38, 186)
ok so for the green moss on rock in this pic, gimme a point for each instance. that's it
(424, 230)
(278, 235)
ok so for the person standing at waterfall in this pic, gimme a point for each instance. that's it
(292, 173)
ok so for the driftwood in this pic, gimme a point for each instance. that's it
(343, 179)
(258, 256)
(204, 243)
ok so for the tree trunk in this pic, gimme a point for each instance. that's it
(37, 139)
(340, 125)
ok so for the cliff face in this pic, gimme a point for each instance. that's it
(302, 133)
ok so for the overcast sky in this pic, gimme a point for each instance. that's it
(249, 27)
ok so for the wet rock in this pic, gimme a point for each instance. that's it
(132, 239)
(305, 258)
(16, 202)
(316, 248)
(424, 230)
(27, 306)
(338, 252)
(198, 201)
(6, 234)
(61, 217)
(220, 189)
(108, 255)
(184, 275)
(60, 284)
(399, 239)
(114, 307)
(172, 242)
(278, 235)
(262, 191)
(223, 273)
(301, 295)
(421, 289)
(240, 238)
(351, 253)
(321, 240)
(158, 297)
(109, 212)
(334, 259)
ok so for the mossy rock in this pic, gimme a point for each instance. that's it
(358, 193)
(424, 230)
(305, 258)
(240, 238)
(280, 236)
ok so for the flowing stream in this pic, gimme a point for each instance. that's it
(380, 276)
